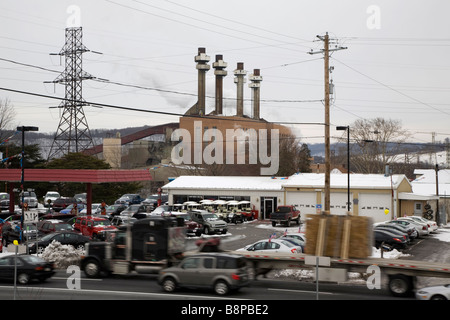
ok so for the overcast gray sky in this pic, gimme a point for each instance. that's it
(395, 65)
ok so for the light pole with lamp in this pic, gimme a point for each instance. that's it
(348, 162)
(22, 165)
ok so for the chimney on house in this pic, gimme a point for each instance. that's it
(255, 84)
(202, 66)
(240, 80)
(219, 65)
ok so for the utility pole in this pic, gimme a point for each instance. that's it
(326, 54)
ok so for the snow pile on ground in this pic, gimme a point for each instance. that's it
(62, 255)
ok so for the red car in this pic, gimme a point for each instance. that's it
(94, 227)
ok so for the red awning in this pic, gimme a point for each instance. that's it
(75, 175)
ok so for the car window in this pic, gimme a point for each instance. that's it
(59, 237)
(273, 245)
(208, 263)
(191, 263)
(260, 246)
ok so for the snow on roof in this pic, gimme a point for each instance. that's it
(357, 181)
(300, 180)
(425, 183)
(225, 183)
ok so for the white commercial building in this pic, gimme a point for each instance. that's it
(375, 195)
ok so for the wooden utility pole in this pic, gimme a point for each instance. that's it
(326, 54)
(327, 123)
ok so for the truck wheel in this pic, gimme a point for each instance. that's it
(274, 223)
(401, 285)
(288, 222)
(92, 268)
(169, 284)
(206, 230)
(221, 287)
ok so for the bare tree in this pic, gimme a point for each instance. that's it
(375, 143)
(7, 115)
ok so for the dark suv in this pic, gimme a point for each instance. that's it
(220, 271)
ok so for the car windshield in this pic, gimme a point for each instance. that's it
(210, 217)
(105, 222)
(63, 226)
(52, 194)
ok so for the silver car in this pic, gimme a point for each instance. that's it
(220, 271)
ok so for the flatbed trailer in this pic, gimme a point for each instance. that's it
(401, 273)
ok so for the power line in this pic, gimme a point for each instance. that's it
(97, 104)
(392, 89)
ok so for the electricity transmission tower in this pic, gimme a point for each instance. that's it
(73, 134)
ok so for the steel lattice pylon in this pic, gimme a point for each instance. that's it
(73, 134)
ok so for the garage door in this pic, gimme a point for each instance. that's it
(374, 205)
(338, 203)
(305, 201)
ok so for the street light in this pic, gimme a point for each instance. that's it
(22, 164)
(348, 162)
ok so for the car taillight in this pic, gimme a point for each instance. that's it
(397, 239)
(424, 228)
(235, 276)
(40, 268)
(294, 250)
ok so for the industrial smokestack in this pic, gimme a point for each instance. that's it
(255, 84)
(202, 66)
(219, 72)
(240, 80)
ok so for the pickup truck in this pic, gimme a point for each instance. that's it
(284, 215)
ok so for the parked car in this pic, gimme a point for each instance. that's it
(441, 292)
(96, 208)
(29, 197)
(49, 226)
(411, 232)
(72, 209)
(11, 232)
(4, 201)
(424, 230)
(74, 239)
(219, 271)
(432, 225)
(122, 220)
(129, 198)
(273, 245)
(390, 239)
(153, 200)
(50, 197)
(421, 230)
(94, 227)
(164, 210)
(115, 209)
(209, 221)
(81, 197)
(62, 202)
(192, 227)
(296, 235)
(137, 211)
(28, 268)
(294, 241)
